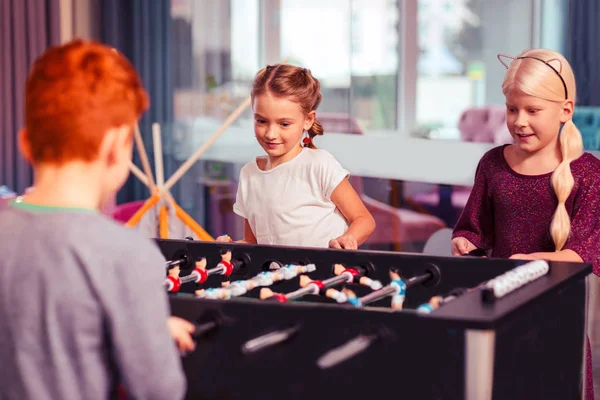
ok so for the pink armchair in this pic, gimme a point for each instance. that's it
(477, 124)
(484, 125)
(400, 227)
(123, 212)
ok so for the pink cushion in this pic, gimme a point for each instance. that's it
(484, 125)
(339, 123)
(397, 225)
(124, 212)
(498, 124)
(460, 196)
(473, 126)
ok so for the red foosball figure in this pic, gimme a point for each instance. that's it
(173, 282)
(226, 263)
(200, 270)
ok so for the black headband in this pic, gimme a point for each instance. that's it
(553, 69)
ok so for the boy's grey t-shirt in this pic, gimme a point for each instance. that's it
(82, 309)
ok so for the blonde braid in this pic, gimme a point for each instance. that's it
(571, 147)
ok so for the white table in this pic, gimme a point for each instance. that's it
(379, 155)
(375, 155)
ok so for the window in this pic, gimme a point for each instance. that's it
(389, 69)
(457, 64)
(352, 47)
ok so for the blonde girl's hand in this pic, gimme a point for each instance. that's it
(461, 246)
(346, 241)
(520, 256)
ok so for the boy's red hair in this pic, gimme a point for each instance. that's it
(75, 93)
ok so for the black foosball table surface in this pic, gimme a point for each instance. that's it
(526, 344)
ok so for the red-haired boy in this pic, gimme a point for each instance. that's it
(81, 304)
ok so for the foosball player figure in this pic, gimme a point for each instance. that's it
(266, 293)
(400, 285)
(352, 298)
(225, 262)
(336, 295)
(239, 287)
(433, 304)
(200, 269)
(331, 293)
(356, 277)
(173, 282)
(214, 293)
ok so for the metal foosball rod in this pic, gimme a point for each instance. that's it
(266, 278)
(437, 301)
(200, 274)
(356, 275)
(308, 286)
(226, 266)
(314, 287)
(268, 294)
(396, 289)
(175, 263)
(278, 273)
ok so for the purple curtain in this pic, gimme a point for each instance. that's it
(584, 50)
(27, 28)
(141, 30)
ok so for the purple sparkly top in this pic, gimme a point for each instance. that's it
(511, 213)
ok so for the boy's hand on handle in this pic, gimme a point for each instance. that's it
(346, 241)
(181, 330)
(460, 246)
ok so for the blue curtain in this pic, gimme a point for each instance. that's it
(27, 28)
(141, 30)
(584, 49)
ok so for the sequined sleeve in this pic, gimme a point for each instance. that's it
(476, 223)
(585, 221)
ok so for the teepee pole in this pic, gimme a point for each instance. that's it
(190, 161)
(137, 217)
(190, 222)
(148, 181)
(139, 174)
(144, 158)
(158, 155)
(163, 222)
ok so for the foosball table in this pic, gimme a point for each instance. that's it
(277, 322)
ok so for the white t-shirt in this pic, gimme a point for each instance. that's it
(291, 204)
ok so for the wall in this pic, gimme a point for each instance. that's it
(79, 19)
(509, 38)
